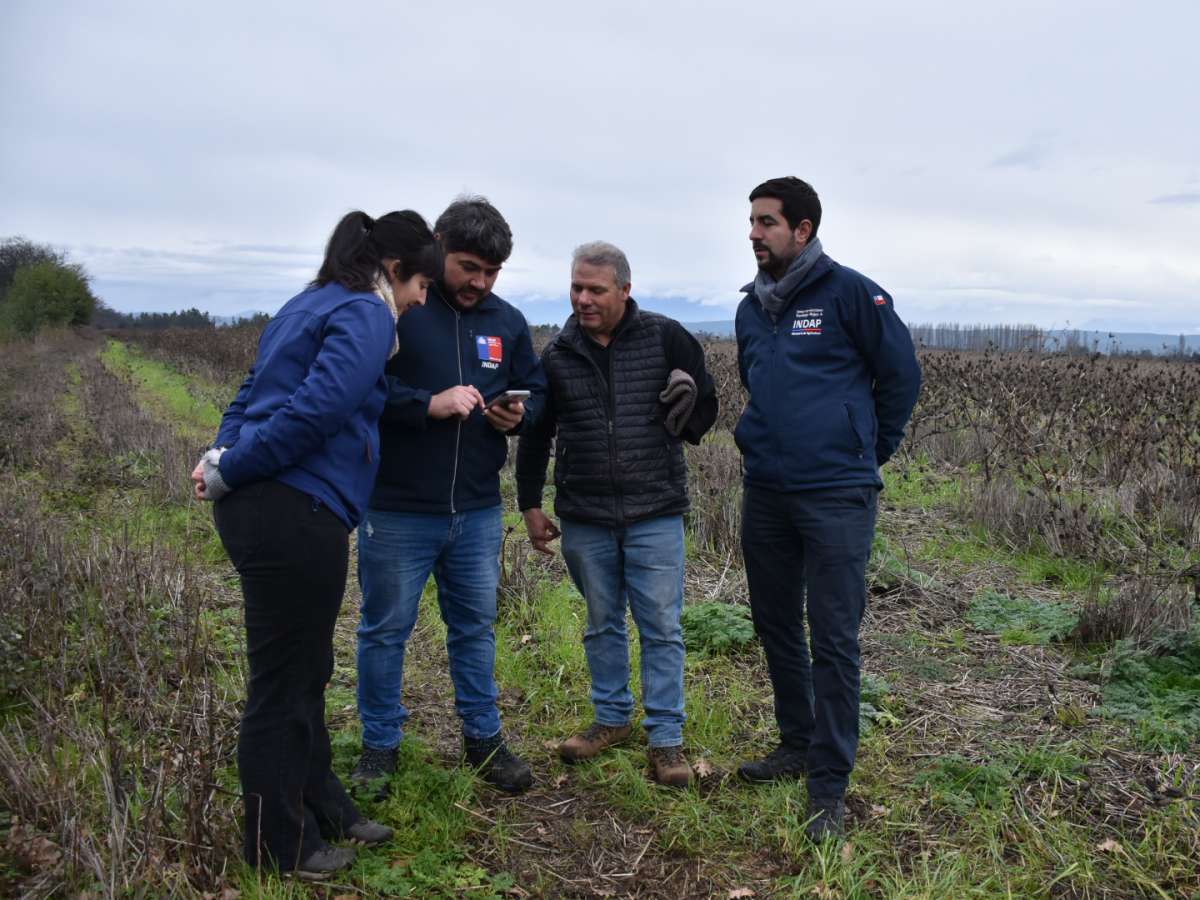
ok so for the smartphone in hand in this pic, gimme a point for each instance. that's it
(507, 398)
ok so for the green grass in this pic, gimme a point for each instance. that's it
(427, 805)
(918, 486)
(171, 395)
(964, 786)
(973, 546)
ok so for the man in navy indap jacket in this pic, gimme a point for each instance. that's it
(833, 377)
(436, 504)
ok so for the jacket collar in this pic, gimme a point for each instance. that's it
(573, 336)
(820, 268)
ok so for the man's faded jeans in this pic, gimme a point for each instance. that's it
(397, 551)
(639, 566)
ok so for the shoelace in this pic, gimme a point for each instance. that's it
(375, 759)
(595, 731)
(670, 755)
(502, 754)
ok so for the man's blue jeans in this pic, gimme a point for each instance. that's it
(640, 565)
(397, 551)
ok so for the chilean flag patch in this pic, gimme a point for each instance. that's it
(490, 349)
(880, 300)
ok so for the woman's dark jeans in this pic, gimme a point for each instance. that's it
(292, 554)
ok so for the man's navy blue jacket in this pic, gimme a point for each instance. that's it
(831, 384)
(451, 465)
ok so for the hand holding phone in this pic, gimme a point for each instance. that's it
(507, 398)
(506, 411)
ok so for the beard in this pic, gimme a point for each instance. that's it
(772, 264)
(456, 297)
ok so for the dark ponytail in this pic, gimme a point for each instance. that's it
(359, 245)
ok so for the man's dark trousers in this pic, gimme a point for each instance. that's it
(809, 549)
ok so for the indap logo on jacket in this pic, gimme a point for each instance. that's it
(491, 351)
(808, 321)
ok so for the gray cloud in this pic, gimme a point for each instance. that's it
(186, 162)
(1186, 198)
(1031, 156)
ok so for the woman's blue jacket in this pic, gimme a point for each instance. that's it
(308, 413)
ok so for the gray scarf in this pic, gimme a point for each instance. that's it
(773, 294)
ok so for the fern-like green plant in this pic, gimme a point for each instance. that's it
(712, 628)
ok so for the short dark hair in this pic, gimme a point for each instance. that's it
(799, 200)
(472, 225)
(359, 244)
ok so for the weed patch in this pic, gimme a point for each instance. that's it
(875, 701)
(888, 572)
(1158, 689)
(1019, 620)
(964, 786)
(711, 628)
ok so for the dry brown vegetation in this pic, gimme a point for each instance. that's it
(988, 768)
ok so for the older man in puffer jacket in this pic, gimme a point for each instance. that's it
(627, 387)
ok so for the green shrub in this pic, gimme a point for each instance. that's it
(46, 294)
(711, 628)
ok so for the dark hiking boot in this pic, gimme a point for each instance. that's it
(497, 765)
(827, 818)
(592, 742)
(375, 768)
(782, 763)
(368, 833)
(320, 864)
(670, 766)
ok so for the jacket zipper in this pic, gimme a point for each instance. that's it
(458, 427)
(612, 437)
(612, 413)
(775, 392)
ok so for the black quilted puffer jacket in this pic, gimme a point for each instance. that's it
(614, 461)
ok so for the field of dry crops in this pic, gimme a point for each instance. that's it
(1032, 650)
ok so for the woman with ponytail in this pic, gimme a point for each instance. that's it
(291, 471)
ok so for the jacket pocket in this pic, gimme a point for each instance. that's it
(856, 433)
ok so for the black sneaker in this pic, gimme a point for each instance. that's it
(320, 864)
(497, 765)
(369, 833)
(781, 763)
(827, 818)
(375, 768)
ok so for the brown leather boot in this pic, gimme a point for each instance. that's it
(596, 739)
(670, 766)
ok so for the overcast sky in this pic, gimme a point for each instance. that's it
(999, 162)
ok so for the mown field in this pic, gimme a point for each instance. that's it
(1032, 659)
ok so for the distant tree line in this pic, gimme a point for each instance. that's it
(1031, 339)
(153, 321)
(951, 336)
